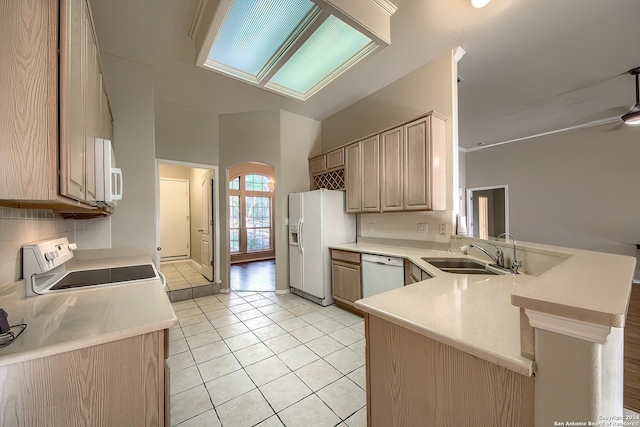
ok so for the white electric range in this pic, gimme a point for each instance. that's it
(51, 266)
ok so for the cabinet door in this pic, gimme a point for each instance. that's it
(72, 98)
(417, 160)
(346, 281)
(107, 119)
(391, 165)
(353, 184)
(91, 111)
(371, 175)
(335, 158)
(318, 164)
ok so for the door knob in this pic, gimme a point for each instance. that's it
(159, 248)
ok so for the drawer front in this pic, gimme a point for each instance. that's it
(347, 256)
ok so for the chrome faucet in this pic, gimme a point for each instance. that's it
(515, 262)
(498, 258)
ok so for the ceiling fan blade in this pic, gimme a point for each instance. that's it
(616, 127)
(605, 114)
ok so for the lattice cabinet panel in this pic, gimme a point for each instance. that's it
(333, 180)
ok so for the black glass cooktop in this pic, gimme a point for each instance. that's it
(78, 279)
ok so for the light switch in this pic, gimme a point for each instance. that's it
(443, 229)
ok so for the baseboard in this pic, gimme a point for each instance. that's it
(282, 291)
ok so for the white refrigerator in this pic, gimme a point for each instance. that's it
(317, 220)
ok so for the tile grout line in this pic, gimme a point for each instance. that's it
(263, 342)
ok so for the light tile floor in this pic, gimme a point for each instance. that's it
(181, 275)
(261, 359)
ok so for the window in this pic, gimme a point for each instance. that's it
(250, 216)
(234, 223)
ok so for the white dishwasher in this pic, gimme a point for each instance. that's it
(381, 274)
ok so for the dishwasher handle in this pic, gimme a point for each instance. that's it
(383, 260)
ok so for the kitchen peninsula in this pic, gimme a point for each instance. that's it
(464, 349)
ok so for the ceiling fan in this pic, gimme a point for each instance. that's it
(633, 116)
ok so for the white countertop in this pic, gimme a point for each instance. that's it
(480, 314)
(469, 312)
(70, 320)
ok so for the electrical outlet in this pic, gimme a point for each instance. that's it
(423, 228)
(443, 229)
(370, 226)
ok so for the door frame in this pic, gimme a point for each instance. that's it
(188, 256)
(469, 203)
(216, 217)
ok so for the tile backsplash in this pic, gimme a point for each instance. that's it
(404, 225)
(19, 227)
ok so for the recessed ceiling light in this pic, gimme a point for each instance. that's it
(479, 4)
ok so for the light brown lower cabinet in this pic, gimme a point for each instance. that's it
(345, 276)
(121, 383)
(413, 380)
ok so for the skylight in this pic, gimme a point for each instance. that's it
(254, 31)
(293, 47)
(334, 46)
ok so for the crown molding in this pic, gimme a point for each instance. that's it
(386, 5)
(574, 328)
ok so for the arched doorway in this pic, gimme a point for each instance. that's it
(251, 190)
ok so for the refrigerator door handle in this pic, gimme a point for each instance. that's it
(300, 234)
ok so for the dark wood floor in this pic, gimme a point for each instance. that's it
(254, 276)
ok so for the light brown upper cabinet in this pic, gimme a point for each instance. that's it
(424, 164)
(318, 164)
(325, 162)
(80, 101)
(46, 164)
(401, 169)
(353, 180)
(335, 158)
(371, 174)
(391, 165)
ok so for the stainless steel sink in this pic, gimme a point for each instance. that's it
(459, 266)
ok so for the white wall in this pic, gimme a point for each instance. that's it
(300, 138)
(185, 133)
(282, 140)
(19, 227)
(431, 87)
(577, 188)
(248, 137)
(130, 88)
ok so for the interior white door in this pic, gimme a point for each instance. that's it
(206, 226)
(174, 219)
